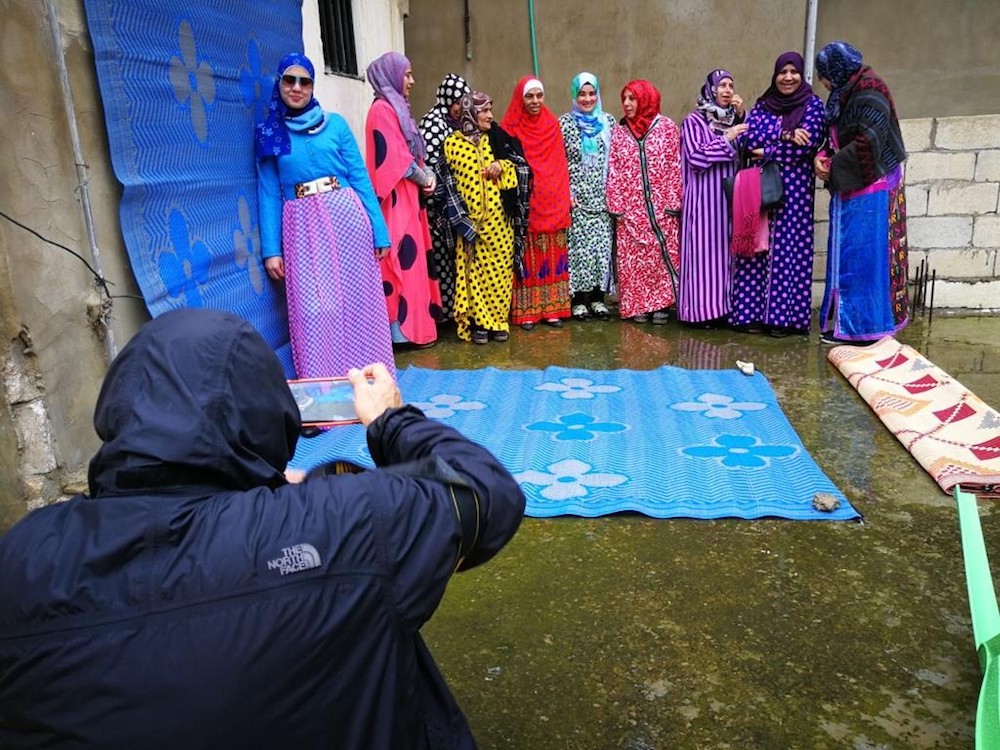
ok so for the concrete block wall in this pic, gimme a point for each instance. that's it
(952, 201)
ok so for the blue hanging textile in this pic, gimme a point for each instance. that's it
(183, 84)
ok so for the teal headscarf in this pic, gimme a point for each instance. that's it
(593, 125)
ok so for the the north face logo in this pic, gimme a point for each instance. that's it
(295, 559)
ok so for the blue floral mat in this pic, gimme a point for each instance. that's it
(667, 443)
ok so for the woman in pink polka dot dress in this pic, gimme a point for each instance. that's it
(772, 290)
(395, 154)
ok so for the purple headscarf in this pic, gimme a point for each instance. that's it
(271, 136)
(720, 119)
(385, 74)
(791, 107)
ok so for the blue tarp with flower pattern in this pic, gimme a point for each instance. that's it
(667, 442)
(183, 83)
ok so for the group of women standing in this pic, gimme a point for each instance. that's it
(536, 219)
(579, 178)
(755, 271)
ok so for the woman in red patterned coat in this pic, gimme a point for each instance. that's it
(644, 194)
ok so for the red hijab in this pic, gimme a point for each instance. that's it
(647, 106)
(542, 141)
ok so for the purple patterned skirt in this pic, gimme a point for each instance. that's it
(336, 307)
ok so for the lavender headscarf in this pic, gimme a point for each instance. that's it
(792, 107)
(385, 74)
(271, 136)
(720, 119)
(837, 62)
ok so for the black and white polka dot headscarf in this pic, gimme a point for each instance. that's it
(436, 125)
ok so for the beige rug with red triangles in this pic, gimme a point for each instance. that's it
(951, 432)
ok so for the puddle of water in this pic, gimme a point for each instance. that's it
(626, 632)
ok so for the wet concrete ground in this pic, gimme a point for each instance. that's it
(633, 633)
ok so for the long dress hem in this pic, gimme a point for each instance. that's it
(866, 296)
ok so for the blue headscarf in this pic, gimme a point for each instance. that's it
(593, 124)
(271, 136)
(837, 62)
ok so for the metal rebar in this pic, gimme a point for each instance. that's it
(923, 286)
(82, 172)
(809, 48)
(930, 315)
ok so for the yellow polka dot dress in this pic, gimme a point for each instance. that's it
(484, 270)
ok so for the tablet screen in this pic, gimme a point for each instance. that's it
(324, 401)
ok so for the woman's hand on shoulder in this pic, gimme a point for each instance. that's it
(275, 267)
(736, 131)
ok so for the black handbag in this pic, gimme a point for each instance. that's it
(772, 189)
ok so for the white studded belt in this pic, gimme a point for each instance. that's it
(320, 185)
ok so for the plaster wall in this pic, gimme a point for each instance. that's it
(11, 490)
(675, 45)
(51, 297)
(939, 57)
(378, 28)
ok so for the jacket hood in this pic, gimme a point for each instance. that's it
(196, 398)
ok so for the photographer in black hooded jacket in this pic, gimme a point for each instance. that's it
(196, 599)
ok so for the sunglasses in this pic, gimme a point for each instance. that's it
(303, 81)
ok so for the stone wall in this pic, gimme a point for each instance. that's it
(53, 351)
(952, 194)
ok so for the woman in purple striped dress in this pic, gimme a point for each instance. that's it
(708, 155)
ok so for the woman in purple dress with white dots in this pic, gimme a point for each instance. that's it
(772, 291)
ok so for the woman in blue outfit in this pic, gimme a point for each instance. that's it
(321, 230)
(862, 165)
